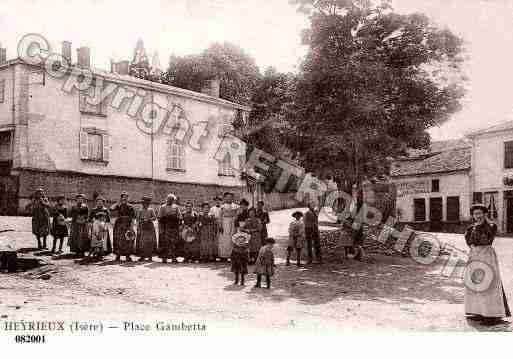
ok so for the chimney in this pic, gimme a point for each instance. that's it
(212, 88)
(120, 67)
(84, 57)
(3, 55)
(66, 51)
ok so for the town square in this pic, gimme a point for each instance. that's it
(295, 166)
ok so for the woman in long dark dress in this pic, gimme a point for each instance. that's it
(170, 219)
(189, 234)
(79, 239)
(123, 243)
(146, 235)
(40, 218)
(263, 215)
(59, 228)
(485, 298)
(207, 232)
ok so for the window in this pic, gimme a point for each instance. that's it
(453, 208)
(477, 197)
(176, 155)
(225, 130)
(94, 145)
(2, 91)
(435, 185)
(419, 209)
(85, 99)
(225, 166)
(508, 154)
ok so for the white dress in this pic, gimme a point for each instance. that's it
(228, 214)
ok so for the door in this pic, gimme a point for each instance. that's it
(435, 214)
(509, 215)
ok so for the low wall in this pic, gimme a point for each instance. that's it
(439, 227)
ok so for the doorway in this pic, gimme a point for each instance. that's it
(435, 214)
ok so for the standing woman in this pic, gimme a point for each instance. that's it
(170, 219)
(207, 232)
(123, 244)
(228, 215)
(146, 236)
(485, 298)
(79, 239)
(40, 218)
(263, 215)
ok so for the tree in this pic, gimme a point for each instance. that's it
(372, 83)
(272, 103)
(236, 70)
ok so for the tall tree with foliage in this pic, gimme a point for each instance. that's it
(372, 83)
(236, 70)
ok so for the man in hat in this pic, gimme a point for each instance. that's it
(40, 218)
(296, 237)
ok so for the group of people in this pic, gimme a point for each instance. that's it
(198, 235)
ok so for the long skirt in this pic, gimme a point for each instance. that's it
(208, 243)
(99, 238)
(225, 238)
(79, 241)
(169, 245)
(146, 240)
(192, 250)
(122, 246)
(484, 293)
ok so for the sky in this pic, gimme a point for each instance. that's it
(269, 31)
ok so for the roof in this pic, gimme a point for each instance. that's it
(152, 86)
(440, 146)
(504, 126)
(456, 159)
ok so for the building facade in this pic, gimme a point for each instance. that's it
(65, 140)
(433, 188)
(492, 172)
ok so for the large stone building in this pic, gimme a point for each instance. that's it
(57, 137)
(433, 188)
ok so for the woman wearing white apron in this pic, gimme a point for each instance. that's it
(485, 298)
(228, 215)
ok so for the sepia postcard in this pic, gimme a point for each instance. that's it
(217, 174)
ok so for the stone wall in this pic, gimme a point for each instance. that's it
(70, 184)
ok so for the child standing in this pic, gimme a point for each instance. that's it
(240, 253)
(265, 263)
(59, 227)
(99, 217)
(296, 237)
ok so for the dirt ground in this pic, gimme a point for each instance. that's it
(388, 294)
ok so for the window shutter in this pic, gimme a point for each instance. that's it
(169, 153)
(84, 147)
(106, 147)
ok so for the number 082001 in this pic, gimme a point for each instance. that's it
(30, 339)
